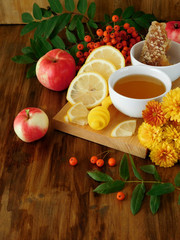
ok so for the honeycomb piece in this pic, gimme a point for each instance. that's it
(155, 46)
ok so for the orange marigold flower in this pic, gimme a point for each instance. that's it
(153, 114)
(171, 104)
(164, 154)
(149, 135)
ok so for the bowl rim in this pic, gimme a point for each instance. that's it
(158, 67)
(138, 99)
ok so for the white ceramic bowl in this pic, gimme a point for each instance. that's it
(130, 106)
(173, 71)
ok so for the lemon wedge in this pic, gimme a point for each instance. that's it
(101, 66)
(78, 114)
(89, 88)
(108, 53)
(124, 129)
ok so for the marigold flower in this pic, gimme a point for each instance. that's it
(164, 154)
(153, 114)
(171, 105)
(149, 135)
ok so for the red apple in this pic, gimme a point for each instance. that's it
(173, 30)
(56, 69)
(31, 124)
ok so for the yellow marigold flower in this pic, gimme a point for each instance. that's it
(171, 105)
(153, 114)
(164, 154)
(149, 135)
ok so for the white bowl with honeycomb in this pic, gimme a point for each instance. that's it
(173, 55)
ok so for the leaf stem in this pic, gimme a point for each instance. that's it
(90, 31)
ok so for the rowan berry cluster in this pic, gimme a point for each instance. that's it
(120, 37)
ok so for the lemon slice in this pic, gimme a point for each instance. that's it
(101, 66)
(89, 88)
(78, 114)
(124, 129)
(109, 53)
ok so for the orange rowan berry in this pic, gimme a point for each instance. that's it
(111, 162)
(86, 54)
(106, 34)
(90, 50)
(73, 161)
(126, 26)
(119, 45)
(138, 39)
(100, 162)
(81, 60)
(134, 34)
(125, 48)
(97, 44)
(120, 196)
(109, 43)
(87, 38)
(132, 41)
(128, 60)
(90, 45)
(109, 28)
(118, 39)
(105, 39)
(124, 43)
(79, 54)
(129, 30)
(133, 28)
(93, 159)
(115, 18)
(123, 53)
(112, 35)
(80, 46)
(122, 33)
(116, 27)
(99, 32)
(113, 41)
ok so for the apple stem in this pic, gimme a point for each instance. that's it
(176, 25)
(27, 112)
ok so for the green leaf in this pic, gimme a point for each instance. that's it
(107, 18)
(31, 72)
(73, 50)
(92, 24)
(73, 22)
(50, 26)
(27, 17)
(40, 46)
(151, 169)
(137, 198)
(23, 59)
(177, 180)
(82, 6)
(99, 176)
(128, 12)
(69, 5)
(142, 21)
(158, 189)
(28, 51)
(29, 27)
(80, 30)
(37, 13)
(110, 187)
(132, 24)
(57, 42)
(46, 13)
(91, 10)
(70, 36)
(138, 14)
(135, 171)
(179, 200)
(123, 168)
(55, 6)
(62, 21)
(117, 11)
(154, 203)
(40, 30)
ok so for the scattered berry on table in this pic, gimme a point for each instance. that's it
(73, 161)
(120, 196)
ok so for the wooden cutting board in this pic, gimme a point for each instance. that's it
(125, 144)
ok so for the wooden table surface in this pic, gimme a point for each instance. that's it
(42, 197)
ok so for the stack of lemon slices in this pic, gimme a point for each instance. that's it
(90, 87)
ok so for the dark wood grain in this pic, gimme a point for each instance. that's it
(41, 196)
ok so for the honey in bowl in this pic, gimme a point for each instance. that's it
(139, 86)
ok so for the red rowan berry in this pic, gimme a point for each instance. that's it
(116, 27)
(109, 43)
(81, 60)
(90, 45)
(93, 159)
(138, 39)
(99, 32)
(79, 54)
(115, 18)
(80, 46)
(120, 196)
(87, 38)
(111, 162)
(86, 54)
(97, 44)
(134, 34)
(124, 43)
(73, 161)
(119, 45)
(126, 25)
(113, 41)
(100, 162)
(112, 35)
(109, 28)
(105, 39)
(106, 34)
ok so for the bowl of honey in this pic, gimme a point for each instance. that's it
(173, 55)
(130, 88)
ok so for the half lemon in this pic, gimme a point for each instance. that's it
(124, 129)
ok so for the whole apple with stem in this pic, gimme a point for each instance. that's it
(173, 30)
(31, 124)
(56, 69)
